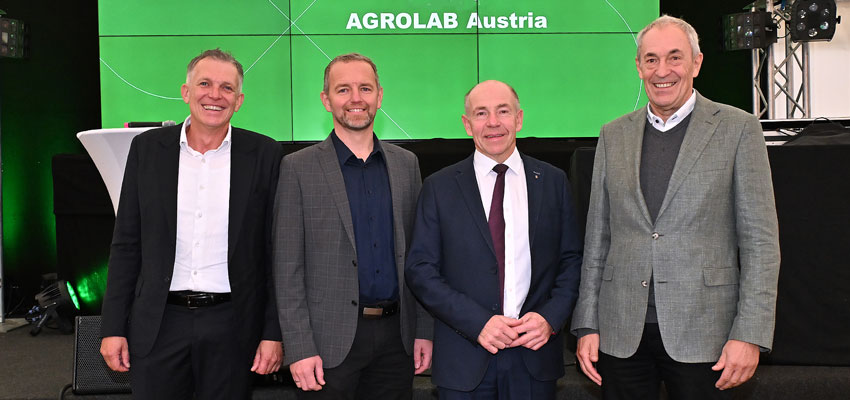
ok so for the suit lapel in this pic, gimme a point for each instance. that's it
(534, 187)
(397, 185)
(333, 175)
(468, 187)
(241, 177)
(168, 169)
(700, 130)
(633, 137)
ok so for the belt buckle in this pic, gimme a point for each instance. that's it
(373, 312)
(189, 302)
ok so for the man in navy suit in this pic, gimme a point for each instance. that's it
(496, 259)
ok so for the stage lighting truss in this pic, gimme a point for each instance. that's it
(813, 20)
(798, 22)
(12, 37)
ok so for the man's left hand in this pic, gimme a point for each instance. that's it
(738, 362)
(268, 357)
(534, 331)
(422, 350)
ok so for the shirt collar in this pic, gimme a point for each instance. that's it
(343, 153)
(484, 165)
(184, 142)
(680, 114)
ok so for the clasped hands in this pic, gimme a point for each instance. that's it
(500, 332)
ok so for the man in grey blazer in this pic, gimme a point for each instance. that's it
(344, 214)
(681, 255)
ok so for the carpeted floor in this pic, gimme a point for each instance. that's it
(35, 367)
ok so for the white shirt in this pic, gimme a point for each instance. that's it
(515, 209)
(203, 200)
(680, 114)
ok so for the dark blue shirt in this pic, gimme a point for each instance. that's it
(367, 184)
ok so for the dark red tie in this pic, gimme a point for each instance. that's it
(497, 226)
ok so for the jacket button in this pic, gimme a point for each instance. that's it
(655, 235)
(644, 283)
(167, 279)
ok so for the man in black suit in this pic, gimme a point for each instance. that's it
(189, 296)
(495, 258)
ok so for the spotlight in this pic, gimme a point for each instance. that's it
(12, 37)
(56, 303)
(747, 31)
(813, 20)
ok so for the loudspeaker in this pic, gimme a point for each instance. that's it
(824, 133)
(91, 374)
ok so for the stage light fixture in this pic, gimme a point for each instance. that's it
(56, 303)
(747, 31)
(12, 37)
(813, 20)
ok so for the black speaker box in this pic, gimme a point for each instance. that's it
(91, 375)
(827, 133)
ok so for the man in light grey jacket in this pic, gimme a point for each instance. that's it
(681, 255)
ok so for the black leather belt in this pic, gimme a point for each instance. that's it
(379, 310)
(193, 300)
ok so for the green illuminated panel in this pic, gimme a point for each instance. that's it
(407, 16)
(191, 17)
(423, 97)
(589, 16)
(583, 52)
(416, 16)
(137, 88)
(574, 93)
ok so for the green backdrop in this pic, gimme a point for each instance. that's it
(581, 64)
(55, 93)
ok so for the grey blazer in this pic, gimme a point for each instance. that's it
(315, 258)
(713, 250)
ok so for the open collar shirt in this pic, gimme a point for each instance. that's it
(203, 202)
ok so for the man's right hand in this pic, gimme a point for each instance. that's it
(498, 333)
(308, 373)
(588, 353)
(116, 353)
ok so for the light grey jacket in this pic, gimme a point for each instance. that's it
(315, 259)
(713, 251)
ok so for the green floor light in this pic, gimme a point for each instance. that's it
(73, 294)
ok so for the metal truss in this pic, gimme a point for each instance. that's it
(781, 76)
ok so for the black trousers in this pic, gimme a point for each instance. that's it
(640, 376)
(376, 367)
(195, 356)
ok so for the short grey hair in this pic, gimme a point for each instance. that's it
(666, 20)
(220, 55)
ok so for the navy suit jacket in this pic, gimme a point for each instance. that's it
(141, 260)
(452, 269)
